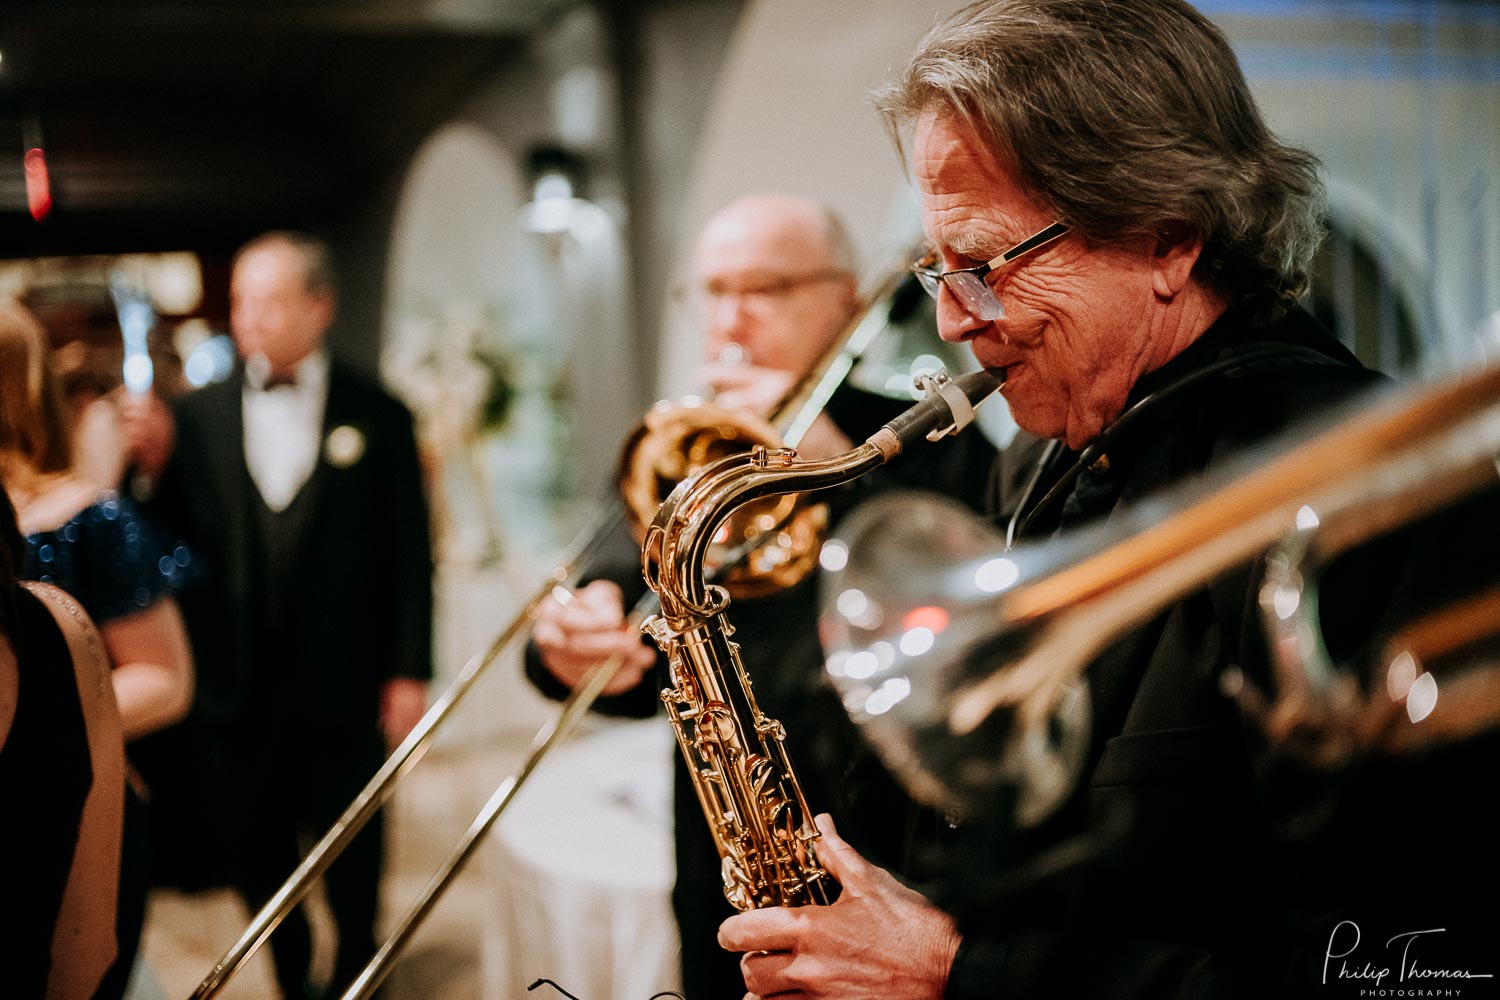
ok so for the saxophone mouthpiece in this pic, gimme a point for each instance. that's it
(947, 409)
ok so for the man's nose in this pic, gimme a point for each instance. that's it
(956, 324)
(727, 316)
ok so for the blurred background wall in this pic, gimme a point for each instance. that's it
(1401, 100)
(192, 124)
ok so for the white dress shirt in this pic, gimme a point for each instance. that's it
(284, 427)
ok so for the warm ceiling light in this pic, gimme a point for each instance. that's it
(38, 184)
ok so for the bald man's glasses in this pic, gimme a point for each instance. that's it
(760, 292)
(967, 283)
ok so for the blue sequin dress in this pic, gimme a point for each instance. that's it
(109, 558)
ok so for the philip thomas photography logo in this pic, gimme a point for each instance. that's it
(1403, 968)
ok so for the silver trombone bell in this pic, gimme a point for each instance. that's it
(913, 602)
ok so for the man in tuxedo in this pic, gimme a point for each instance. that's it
(297, 484)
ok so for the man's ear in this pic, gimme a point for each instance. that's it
(1173, 256)
(327, 308)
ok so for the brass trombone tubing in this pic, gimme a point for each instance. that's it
(381, 786)
(1450, 628)
(1392, 462)
(578, 702)
(574, 707)
(808, 399)
(885, 444)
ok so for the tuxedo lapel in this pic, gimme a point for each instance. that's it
(305, 512)
(224, 456)
(336, 410)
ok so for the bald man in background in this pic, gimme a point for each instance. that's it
(773, 277)
(773, 288)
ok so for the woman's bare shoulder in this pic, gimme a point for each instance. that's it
(55, 503)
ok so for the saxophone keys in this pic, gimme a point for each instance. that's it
(762, 457)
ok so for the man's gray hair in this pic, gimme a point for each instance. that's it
(312, 253)
(1126, 118)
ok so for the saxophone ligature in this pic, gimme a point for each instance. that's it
(736, 755)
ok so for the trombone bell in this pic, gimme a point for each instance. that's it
(964, 662)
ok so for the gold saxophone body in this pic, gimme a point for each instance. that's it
(736, 756)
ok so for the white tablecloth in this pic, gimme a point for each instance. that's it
(583, 869)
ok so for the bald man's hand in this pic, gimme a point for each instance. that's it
(759, 390)
(589, 629)
(879, 940)
(748, 387)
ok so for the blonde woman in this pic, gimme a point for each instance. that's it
(96, 546)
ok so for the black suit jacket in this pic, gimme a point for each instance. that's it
(358, 598)
(1178, 886)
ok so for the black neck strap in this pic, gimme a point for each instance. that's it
(1237, 362)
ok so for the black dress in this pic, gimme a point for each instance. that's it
(45, 776)
(110, 559)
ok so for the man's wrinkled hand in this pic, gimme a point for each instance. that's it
(879, 940)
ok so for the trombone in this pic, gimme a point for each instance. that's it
(795, 413)
(971, 678)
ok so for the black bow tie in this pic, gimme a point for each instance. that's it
(279, 382)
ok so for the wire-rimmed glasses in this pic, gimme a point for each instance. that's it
(968, 284)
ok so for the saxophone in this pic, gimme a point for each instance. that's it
(736, 756)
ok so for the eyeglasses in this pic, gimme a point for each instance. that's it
(967, 283)
(761, 292)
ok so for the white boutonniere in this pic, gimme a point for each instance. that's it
(344, 446)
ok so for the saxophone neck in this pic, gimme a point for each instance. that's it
(677, 543)
(678, 540)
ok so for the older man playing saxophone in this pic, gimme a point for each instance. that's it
(1111, 222)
